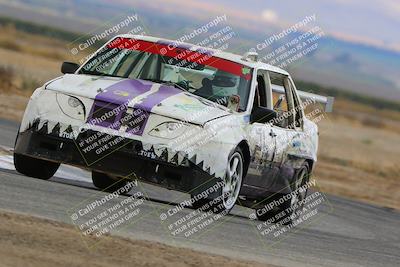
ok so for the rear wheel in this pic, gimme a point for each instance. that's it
(33, 167)
(231, 185)
(264, 214)
(302, 178)
(293, 204)
(106, 182)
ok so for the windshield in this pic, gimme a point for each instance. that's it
(198, 72)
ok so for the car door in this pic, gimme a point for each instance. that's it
(261, 140)
(285, 129)
(283, 104)
(300, 143)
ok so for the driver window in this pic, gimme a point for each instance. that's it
(260, 97)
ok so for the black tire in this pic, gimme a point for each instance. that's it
(290, 207)
(265, 215)
(33, 167)
(302, 177)
(106, 182)
(199, 203)
(218, 205)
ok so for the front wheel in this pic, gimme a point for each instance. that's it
(33, 167)
(230, 185)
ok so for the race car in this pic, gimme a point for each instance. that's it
(222, 127)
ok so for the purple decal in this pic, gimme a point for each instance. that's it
(154, 99)
(110, 105)
(149, 102)
(124, 91)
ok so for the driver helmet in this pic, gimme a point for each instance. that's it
(225, 84)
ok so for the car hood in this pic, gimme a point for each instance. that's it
(152, 97)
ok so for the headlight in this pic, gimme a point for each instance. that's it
(169, 130)
(73, 102)
(71, 106)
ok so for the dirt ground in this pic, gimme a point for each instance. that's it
(12, 106)
(31, 241)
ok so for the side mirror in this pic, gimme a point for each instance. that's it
(262, 115)
(69, 67)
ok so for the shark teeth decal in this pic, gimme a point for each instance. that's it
(200, 165)
(43, 129)
(40, 125)
(158, 152)
(164, 155)
(208, 170)
(178, 158)
(147, 147)
(63, 128)
(170, 156)
(69, 129)
(51, 128)
(175, 159)
(56, 129)
(35, 124)
(193, 159)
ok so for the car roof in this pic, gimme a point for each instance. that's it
(217, 53)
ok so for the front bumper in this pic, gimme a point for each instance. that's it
(129, 160)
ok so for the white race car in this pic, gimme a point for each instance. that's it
(224, 128)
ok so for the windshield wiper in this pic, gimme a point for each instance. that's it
(97, 73)
(177, 85)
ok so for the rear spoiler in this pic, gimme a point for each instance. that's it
(325, 100)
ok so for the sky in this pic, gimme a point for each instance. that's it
(371, 22)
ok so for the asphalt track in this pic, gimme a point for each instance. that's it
(343, 233)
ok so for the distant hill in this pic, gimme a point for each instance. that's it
(362, 69)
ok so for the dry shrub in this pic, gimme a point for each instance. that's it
(11, 83)
(7, 76)
(10, 45)
(373, 122)
(29, 85)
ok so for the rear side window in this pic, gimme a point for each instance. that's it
(298, 117)
(283, 101)
(278, 97)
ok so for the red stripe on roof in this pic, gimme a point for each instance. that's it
(181, 54)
